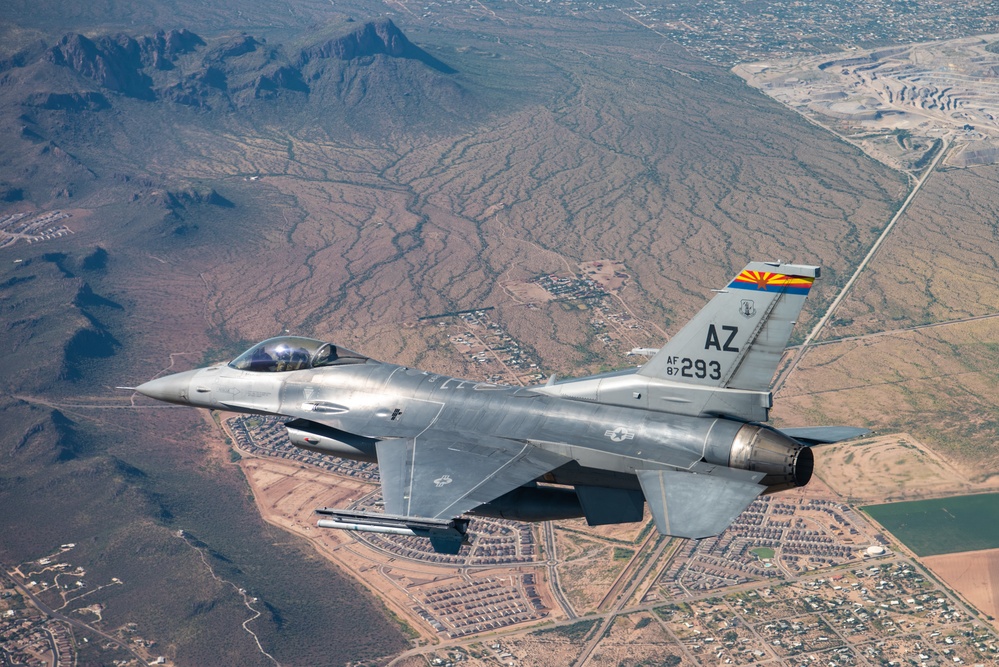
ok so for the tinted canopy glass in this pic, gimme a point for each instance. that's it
(293, 353)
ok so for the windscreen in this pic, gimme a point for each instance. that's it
(293, 353)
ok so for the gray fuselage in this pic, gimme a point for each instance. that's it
(383, 401)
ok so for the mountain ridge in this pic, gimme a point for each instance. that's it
(360, 81)
(225, 72)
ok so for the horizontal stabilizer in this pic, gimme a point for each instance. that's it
(690, 505)
(824, 435)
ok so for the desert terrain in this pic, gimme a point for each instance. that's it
(910, 346)
(235, 173)
(892, 468)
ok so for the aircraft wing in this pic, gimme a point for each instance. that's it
(441, 474)
(824, 435)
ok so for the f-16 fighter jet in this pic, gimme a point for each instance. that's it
(683, 433)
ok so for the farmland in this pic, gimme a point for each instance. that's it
(975, 575)
(943, 525)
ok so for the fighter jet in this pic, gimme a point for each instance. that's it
(683, 433)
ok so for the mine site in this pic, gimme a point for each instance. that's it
(899, 103)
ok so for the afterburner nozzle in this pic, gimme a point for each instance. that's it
(762, 449)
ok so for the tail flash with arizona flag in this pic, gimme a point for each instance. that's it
(737, 340)
(769, 281)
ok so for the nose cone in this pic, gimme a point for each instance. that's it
(171, 388)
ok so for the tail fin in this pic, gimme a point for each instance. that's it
(737, 340)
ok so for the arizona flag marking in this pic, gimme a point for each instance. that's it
(772, 282)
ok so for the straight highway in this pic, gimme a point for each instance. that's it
(860, 269)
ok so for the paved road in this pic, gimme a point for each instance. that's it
(860, 268)
(895, 332)
(548, 530)
(659, 544)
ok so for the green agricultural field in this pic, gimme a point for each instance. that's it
(944, 525)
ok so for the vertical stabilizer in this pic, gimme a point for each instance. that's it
(737, 340)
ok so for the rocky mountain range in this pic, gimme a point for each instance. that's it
(70, 100)
(372, 62)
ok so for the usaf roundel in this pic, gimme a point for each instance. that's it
(620, 434)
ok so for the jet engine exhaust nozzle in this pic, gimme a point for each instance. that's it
(761, 449)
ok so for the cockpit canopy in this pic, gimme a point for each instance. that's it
(293, 353)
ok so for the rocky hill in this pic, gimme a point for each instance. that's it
(118, 63)
(370, 39)
(371, 65)
(70, 100)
